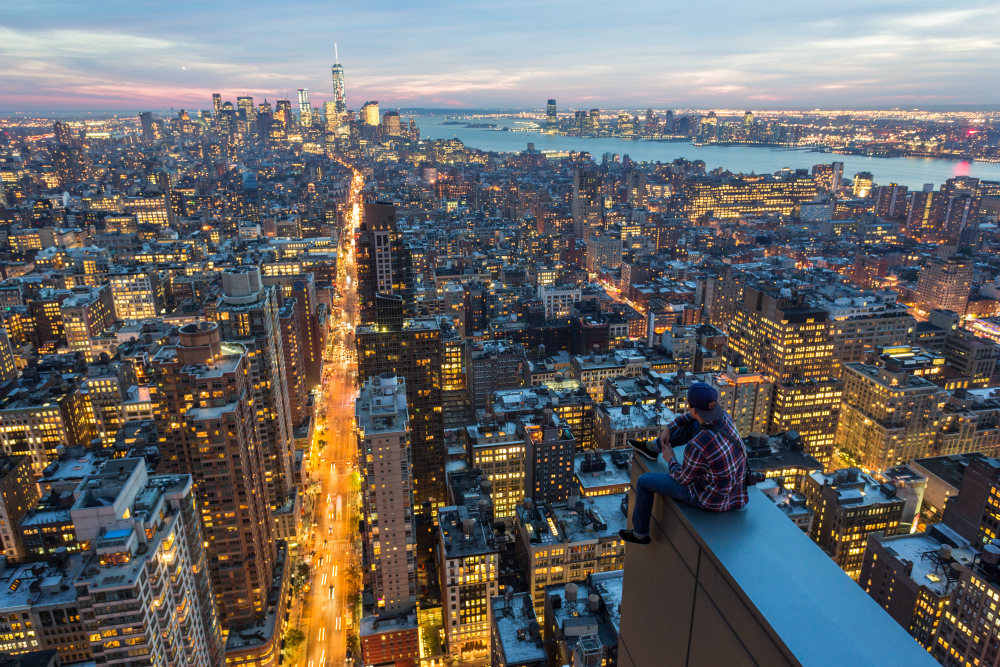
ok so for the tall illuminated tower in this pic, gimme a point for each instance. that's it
(216, 108)
(245, 104)
(338, 83)
(283, 112)
(369, 113)
(551, 114)
(305, 112)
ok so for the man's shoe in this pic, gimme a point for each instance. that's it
(644, 448)
(629, 536)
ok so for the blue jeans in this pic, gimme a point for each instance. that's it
(648, 485)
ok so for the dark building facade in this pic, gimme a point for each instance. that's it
(384, 263)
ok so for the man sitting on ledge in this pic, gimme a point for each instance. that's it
(713, 476)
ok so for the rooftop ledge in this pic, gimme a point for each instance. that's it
(746, 587)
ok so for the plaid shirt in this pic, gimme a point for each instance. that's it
(714, 470)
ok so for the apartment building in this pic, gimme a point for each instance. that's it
(849, 505)
(468, 560)
(565, 542)
(498, 450)
(384, 444)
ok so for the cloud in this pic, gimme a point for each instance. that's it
(123, 54)
(722, 89)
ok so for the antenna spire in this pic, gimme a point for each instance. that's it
(336, 57)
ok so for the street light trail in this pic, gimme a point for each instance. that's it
(331, 538)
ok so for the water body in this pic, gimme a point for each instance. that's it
(911, 172)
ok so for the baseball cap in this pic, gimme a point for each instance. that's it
(705, 399)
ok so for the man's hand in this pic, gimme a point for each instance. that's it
(668, 453)
(664, 440)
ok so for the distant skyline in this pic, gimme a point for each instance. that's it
(102, 55)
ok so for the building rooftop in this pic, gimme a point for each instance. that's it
(381, 404)
(602, 517)
(527, 398)
(420, 323)
(630, 417)
(791, 503)
(924, 551)
(43, 516)
(491, 433)
(856, 488)
(886, 377)
(950, 469)
(41, 583)
(778, 452)
(608, 586)
(517, 629)
(576, 618)
(227, 361)
(463, 535)
(371, 625)
(583, 520)
(71, 467)
(902, 475)
(599, 469)
(494, 348)
(639, 389)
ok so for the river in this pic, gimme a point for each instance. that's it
(911, 172)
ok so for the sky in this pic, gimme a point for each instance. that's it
(93, 55)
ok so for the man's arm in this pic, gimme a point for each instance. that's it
(679, 422)
(694, 465)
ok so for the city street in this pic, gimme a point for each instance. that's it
(324, 619)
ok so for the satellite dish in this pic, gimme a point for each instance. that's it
(65, 199)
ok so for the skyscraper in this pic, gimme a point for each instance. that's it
(295, 362)
(838, 175)
(548, 456)
(305, 112)
(339, 94)
(247, 312)
(888, 416)
(87, 314)
(246, 117)
(146, 121)
(862, 184)
(283, 112)
(384, 444)
(302, 288)
(414, 351)
(206, 417)
(777, 333)
(250, 197)
(384, 264)
(586, 205)
(330, 116)
(245, 103)
(890, 201)
(369, 113)
(551, 115)
(849, 505)
(227, 118)
(120, 503)
(944, 284)
(62, 132)
(390, 124)
(216, 107)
